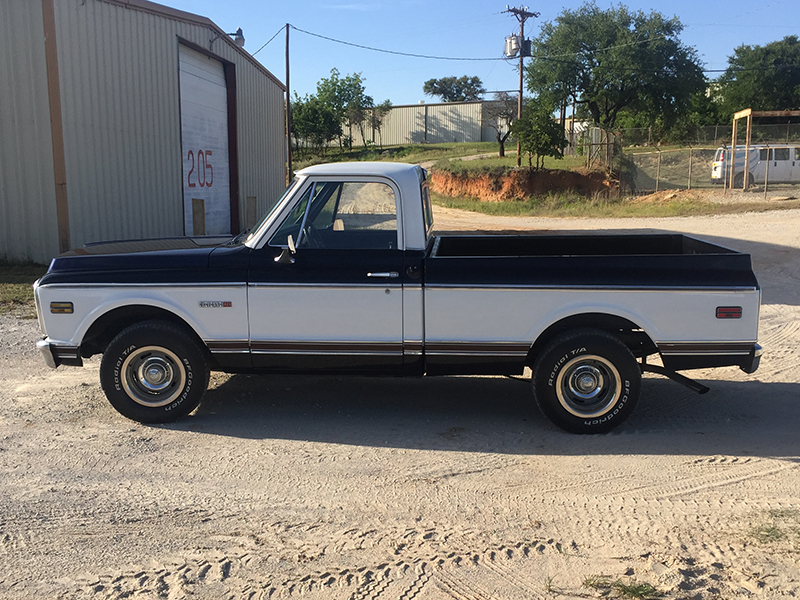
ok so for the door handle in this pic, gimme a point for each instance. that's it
(384, 274)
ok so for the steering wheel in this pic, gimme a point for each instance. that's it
(313, 236)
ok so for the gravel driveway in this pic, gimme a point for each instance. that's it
(337, 488)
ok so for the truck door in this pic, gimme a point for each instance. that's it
(336, 303)
(796, 165)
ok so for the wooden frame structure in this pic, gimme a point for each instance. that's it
(749, 113)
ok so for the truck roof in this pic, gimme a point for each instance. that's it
(386, 169)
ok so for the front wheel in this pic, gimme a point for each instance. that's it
(154, 372)
(586, 381)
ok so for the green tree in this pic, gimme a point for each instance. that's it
(314, 122)
(455, 89)
(378, 117)
(762, 77)
(499, 114)
(607, 61)
(348, 99)
(538, 133)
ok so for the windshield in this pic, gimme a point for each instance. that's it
(253, 230)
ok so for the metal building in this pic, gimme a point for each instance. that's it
(123, 119)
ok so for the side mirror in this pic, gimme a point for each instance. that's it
(286, 257)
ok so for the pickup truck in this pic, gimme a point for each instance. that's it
(345, 275)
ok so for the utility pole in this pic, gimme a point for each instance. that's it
(289, 174)
(522, 14)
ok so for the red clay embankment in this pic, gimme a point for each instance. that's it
(520, 183)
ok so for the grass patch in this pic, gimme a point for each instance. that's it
(783, 526)
(622, 589)
(411, 153)
(574, 205)
(16, 280)
(505, 164)
(635, 590)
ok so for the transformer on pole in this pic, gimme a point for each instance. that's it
(518, 45)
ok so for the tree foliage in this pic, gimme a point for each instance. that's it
(347, 98)
(499, 114)
(378, 117)
(613, 60)
(455, 89)
(762, 77)
(538, 133)
(314, 122)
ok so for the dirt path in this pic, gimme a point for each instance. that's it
(323, 487)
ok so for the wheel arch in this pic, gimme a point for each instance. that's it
(109, 324)
(628, 332)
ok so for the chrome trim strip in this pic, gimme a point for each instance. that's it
(227, 351)
(474, 353)
(237, 285)
(343, 286)
(329, 352)
(550, 288)
(387, 274)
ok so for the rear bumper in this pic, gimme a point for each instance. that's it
(55, 355)
(747, 358)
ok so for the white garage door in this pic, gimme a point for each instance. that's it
(204, 135)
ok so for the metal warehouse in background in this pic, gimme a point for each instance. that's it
(124, 119)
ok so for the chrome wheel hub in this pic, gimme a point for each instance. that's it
(588, 386)
(153, 376)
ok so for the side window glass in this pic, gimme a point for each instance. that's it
(366, 207)
(427, 208)
(781, 154)
(797, 153)
(293, 223)
(762, 154)
(342, 215)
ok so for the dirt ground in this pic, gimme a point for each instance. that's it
(324, 487)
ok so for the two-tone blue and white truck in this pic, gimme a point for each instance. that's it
(345, 275)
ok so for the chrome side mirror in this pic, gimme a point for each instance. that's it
(286, 257)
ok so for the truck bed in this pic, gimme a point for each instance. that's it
(586, 260)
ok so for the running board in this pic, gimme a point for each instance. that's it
(677, 377)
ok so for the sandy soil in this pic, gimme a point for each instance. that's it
(322, 487)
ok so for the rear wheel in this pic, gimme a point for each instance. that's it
(154, 372)
(586, 381)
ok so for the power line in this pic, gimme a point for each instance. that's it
(270, 39)
(330, 39)
(555, 58)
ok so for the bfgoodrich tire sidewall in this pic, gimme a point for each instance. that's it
(162, 335)
(591, 343)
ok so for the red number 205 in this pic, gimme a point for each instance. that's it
(204, 173)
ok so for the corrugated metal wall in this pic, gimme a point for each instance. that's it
(431, 124)
(28, 225)
(120, 103)
(118, 69)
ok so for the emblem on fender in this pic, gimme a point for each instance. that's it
(215, 304)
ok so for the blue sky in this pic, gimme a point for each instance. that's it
(467, 29)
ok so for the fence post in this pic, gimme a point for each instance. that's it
(766, 175)
(658, 169)
(649, 135)
(688, 187)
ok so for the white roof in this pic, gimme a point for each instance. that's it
(385, 169)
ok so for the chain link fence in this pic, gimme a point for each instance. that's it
(712, 135)
(690, 168)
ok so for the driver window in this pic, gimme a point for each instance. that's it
(343, 215)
